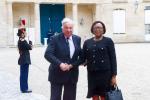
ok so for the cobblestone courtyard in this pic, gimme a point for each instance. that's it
(133, 71)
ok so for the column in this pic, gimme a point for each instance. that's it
(10, 35)
(98, 12)
(37, 24)
(75, 17)
(3, 24)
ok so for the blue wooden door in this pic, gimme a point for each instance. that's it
(50, 17)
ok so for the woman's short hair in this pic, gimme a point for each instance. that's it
(92, 27)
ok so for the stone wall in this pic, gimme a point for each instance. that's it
(88, 11)
(3, 23)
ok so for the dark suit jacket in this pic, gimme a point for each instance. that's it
(24, 48)
(100, 55)
(57, 53)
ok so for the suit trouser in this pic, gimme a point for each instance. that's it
(24, 70)
(69, 92)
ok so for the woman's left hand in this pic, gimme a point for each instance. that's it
(113, 81)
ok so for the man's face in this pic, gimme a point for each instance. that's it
(67, 29)
(22, 35)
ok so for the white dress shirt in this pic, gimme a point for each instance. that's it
(71, 46)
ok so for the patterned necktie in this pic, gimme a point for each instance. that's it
(67, 40)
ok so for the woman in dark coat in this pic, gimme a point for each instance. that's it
(99, 52)
(24, 60)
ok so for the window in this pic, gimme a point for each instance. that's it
(147, 28)
(119, 21)
(147, 20)
(147, 16)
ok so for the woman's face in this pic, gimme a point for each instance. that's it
(98, 30)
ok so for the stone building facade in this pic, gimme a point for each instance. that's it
(125, 20)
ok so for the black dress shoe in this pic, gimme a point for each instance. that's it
(27, 91)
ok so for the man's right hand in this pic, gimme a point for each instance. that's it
(64, 67)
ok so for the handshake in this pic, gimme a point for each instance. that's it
(65, 66)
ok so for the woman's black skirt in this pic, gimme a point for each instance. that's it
(98, 82)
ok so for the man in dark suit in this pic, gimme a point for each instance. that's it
(63, 52)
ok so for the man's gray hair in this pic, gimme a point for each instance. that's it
(66, 20)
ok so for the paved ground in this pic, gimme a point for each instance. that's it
(133, 71)
(9, 89)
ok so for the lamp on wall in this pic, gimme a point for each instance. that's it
(136, 4)
(81, 21)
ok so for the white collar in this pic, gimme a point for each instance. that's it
(70, 38)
